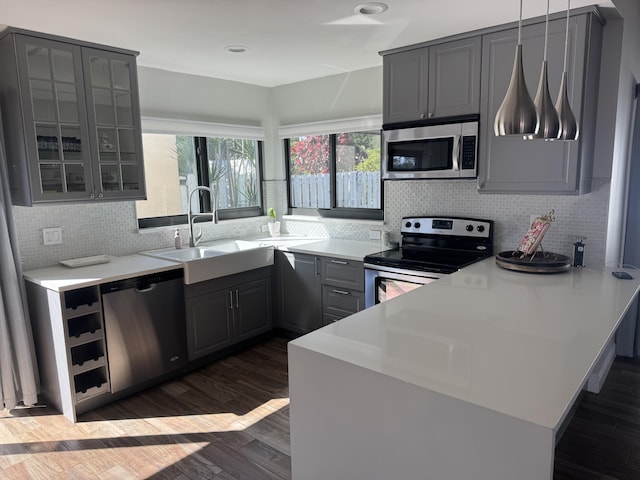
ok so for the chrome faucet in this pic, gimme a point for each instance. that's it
(194, 240)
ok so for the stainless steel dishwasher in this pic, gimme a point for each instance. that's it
(145, 327)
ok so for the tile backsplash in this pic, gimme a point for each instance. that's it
(576, 215)
(111, 228)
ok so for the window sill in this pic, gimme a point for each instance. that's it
(319, 219)
(232, 221)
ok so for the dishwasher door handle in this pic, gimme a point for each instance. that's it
(151, 287)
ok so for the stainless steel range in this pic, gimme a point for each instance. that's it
(431, 248)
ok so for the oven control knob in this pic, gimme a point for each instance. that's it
(408, 224)
(469, 228)
(480, 228)
(416, 225)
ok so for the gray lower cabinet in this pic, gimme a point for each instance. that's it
(299, 301)
(317, 290)
(227, 310)
(512, 165)
(432, 82)
(342, 288)
(71, 119)
(68, 329)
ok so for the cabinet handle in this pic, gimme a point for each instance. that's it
(422, 115)
(231, 299)
(339, 262)
(430, 114)
(315, 266)
(237, 299)
(341, 292)
(100, 195)
(92, 196)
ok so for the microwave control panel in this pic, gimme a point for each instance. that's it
(468, 152)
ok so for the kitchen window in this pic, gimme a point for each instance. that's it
(176, 163)
(335, 175)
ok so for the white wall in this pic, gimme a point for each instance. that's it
(629, 75)
(345, 95)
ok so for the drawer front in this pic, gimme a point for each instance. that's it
(343, 273)
(341, 301)
(328, 319)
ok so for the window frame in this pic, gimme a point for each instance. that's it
(202, 171)
(333, 211)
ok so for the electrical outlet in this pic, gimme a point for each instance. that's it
(374, 234)
(52, 236)
(264, 228)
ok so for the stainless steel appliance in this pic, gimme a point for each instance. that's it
(431, 248)
(433, 151)
(145, 327)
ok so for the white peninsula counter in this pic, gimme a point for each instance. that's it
(469, 377)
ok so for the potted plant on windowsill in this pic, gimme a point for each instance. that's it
(273, 225)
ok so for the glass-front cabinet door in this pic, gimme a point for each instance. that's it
(71, 119)
(114, 119)
(55, 119)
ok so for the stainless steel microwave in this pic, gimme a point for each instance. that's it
(434, 151)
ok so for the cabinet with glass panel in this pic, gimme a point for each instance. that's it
(71, 119)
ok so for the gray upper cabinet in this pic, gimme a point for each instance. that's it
(71, 120)
(513, 165)
(432, 82)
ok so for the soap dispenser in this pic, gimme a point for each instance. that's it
(177, 240)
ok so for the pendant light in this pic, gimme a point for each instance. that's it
(568, 126)
(549, 125)
(517, 114)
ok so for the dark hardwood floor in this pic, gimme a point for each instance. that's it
(602, 441)
(230, 420)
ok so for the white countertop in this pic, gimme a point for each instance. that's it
(337, 248)
(517, 343)
(60, 278)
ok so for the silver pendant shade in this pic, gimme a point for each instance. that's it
(517, 115)
(548, 123)
(539, 119)
(568, 126)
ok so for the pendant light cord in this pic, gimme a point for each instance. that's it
(566, 38)
(520, 24)
(546, 32)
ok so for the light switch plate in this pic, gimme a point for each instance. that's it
(374, 234)
(52, 236)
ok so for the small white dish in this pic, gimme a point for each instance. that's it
(85, 261)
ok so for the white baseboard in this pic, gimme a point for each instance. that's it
(598, 375)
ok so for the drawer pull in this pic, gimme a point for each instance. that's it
(341, 292)
(339, 262)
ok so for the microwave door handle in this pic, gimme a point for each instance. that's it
(457, 141)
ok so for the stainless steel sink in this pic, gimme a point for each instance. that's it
(217, 259)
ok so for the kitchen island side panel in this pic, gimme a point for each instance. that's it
(351, 422)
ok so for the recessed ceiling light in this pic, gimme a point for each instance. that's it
(371, 8)
(236, 48)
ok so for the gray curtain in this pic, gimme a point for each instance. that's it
(628, 334)
(18, 374)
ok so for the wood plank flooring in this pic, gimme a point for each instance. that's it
(226, 421)
(230, 420)
(602, 441)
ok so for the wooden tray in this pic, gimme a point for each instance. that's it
(541, 262)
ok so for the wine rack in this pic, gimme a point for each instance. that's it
(86, 342)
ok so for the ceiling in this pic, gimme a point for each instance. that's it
(288, 40)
